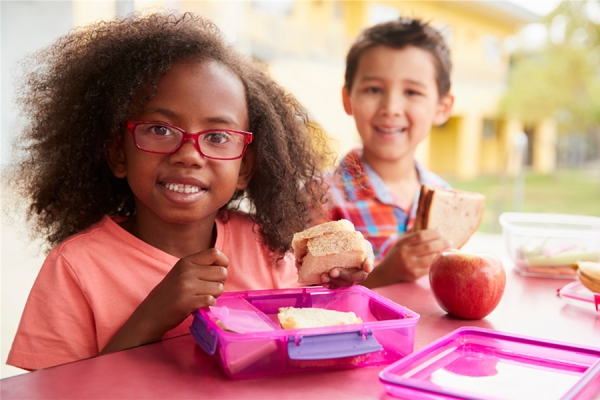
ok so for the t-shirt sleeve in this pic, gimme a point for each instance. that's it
(57, 325)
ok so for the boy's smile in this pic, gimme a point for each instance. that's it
(394, 100)
(185, 187)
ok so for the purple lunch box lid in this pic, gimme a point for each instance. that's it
(456, 365)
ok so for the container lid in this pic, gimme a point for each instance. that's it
(486, 364)
(550, 225)
(577, 294)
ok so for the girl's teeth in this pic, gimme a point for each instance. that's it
(182, 188)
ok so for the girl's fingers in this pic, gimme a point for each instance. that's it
(369, 263)
(348, 276)
(212, 256)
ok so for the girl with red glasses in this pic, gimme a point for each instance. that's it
(163, 168)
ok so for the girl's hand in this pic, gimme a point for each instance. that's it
(409, 258)
(343, 277)
(194, 282)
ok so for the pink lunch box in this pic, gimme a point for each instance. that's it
(385, 335)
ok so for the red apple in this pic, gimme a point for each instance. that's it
(467, 285)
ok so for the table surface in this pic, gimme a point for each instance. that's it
(178, 368)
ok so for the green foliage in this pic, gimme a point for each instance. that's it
(564, 192)
(561, 80)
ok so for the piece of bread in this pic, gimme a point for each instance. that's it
(588, 273)
(456, 213)
(297, 318)
(322, 247)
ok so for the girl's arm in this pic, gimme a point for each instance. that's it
(194, 282)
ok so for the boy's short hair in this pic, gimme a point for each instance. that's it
(399, 34)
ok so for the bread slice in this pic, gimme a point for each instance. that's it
(296, 318)
(456, 213)
(589, 275)
(322, 247)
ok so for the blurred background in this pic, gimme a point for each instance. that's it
(525, 129)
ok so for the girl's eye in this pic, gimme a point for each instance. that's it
(160, 130)
(411, 92)
(217, 138)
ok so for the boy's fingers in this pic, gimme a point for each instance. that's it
(421, 236)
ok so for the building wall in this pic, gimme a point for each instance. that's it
(304, 44)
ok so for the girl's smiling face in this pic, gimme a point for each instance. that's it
(186, 187)
(394, 100)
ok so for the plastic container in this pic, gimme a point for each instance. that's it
(548, 244)
(477, 363)
(385, 335)
(576, 294)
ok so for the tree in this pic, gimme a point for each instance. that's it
(561, 80)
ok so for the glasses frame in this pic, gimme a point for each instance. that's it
(132, 125)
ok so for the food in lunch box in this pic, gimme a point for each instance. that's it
(550, 257)
(297, 318)
(456, 213)
(588, 273)
(329, 245)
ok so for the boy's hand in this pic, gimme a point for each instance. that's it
(194, 282)
(343, 277)
(409, 258)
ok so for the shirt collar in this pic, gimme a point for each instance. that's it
(361, 182)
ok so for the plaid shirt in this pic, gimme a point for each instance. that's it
(359, 195)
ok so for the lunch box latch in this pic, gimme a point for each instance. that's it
(332, 345)
(207, 340)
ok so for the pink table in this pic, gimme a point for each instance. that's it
(178, 368)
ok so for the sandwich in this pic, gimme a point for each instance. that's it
(297, 318)
(326, 246)
(588, 273)
(457, 214)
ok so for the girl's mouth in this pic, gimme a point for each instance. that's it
(176, 187)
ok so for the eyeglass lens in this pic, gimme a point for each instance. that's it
(165, 139)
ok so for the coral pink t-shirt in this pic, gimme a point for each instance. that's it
(90, 284)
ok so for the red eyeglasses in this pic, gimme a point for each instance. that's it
(218, 144)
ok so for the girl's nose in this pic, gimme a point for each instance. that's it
(188, 154)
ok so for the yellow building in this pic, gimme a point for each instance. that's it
(304, 43)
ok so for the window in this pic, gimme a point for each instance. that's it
(490, 127)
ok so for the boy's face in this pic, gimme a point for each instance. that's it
(186, 187)
(394, 100)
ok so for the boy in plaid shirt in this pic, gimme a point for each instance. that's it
(397, 85)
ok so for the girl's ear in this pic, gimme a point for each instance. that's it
(246, 169)
(116, 160)
(346, 100)
(444, 109)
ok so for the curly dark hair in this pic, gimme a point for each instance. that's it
(78, 93)
(398, 34)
